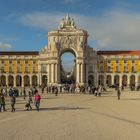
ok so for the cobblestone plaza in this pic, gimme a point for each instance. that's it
(74, 116)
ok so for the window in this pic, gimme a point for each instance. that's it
(133, 68)
(26, 68)
(18, 68)
(125, 68)
(90, 68)
(109, 68)
(101, 68)
(34, 68)
(43, 68)
(117, 68)
(10, 68)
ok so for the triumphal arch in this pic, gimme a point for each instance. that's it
(68, 38)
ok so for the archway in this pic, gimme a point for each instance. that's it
(10, 80)
(67, 67)
(132, 80)
(3, 80)
(26, 81)
(116, 80)
(18, 80)
(90, 80)
(124, 80)
(101, 80)
(108, 80)
(139, 80)
(44, 80)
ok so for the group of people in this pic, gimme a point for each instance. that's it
(28, 99)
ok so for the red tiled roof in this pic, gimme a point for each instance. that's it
(136, 52)
(19, 53)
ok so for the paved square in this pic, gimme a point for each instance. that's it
(75, 117)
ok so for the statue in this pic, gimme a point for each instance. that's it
(73, 23)
(62, 24)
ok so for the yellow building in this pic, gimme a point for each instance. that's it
(119, 68)
(90, 67)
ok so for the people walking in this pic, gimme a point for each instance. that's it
(56, 91)
(37, 100)
(28, 104)
(118, 93)
(13, 101)
(2, 102)
(24, 93)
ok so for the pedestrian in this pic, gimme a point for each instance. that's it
(13, 101)
(37, 100)
(56, 91)
(29, 101)
(118, 93)
(24, 93)
(2, 102)
(99, 90)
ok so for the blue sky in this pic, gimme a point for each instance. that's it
(111, 24)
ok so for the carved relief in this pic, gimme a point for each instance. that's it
(68, 41)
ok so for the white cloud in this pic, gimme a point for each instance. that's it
(113, 30)
(5, 47)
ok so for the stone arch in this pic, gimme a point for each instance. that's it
(101, 80)
(71, 50)
(124, 80)
(34, 80)
(116, 80)
(3, 80)
(10, 80)
(44, 80)
(139, 80)
(68, 77)
(109, 80)
(26, 81)
(18, 80)
(90, 80)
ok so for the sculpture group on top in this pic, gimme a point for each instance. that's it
(67, 23)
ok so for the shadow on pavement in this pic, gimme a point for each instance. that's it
(116, 117)
(53, 109)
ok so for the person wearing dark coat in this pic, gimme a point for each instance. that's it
(13, 101)
(118, 93)
(2, 102)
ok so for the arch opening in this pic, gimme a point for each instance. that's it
(67, 67)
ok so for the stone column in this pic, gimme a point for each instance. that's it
(56, 73)
(128, 80)
(112, 79)
(54, 70)
(77, 72)
(39, 73)
(136, 81)
(7, 80)
(14, 80)
(86, 73)
(82, 73)
(30, 80)
(22, 81)
(120, 80)
(105, 80)
(52, 73)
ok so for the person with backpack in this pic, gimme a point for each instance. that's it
(37, 100)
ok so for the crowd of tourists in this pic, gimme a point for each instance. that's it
(13, 93)
(31, 95)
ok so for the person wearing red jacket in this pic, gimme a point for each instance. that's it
(37, 100)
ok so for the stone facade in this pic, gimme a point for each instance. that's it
(91, 67)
